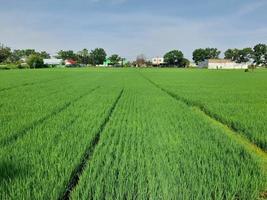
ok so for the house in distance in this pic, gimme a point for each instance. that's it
(222, 64)
(70, 63)
(158, 61)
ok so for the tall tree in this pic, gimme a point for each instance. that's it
(115, 59)
(5, 52)
(239, 55)
(44, 54)
(244, 55)
(260, 54)
(66, 55)
(28, 52)
(174, 58)
(83, 57)
(35, 61)
(200, 55)
(98, 56)
(231, 54)
(17, 55)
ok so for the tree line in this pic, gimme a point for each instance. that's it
(256, 55)
(175, 58)
(34, 59)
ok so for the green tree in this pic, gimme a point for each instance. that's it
(244, 55)
(35, 61)
(260, 54)
(44, 54)
(98, 56)
(28, 52)
(200, 55)
(83, 57)
(18, 54)
(14, 57)
(66, 55)
(5, 52)
(174, 58)
(115, 59)
(239, 55)
(185, 63)
(231, 54)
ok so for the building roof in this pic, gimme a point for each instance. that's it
(70, 62)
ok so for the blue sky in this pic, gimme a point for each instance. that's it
(132, 27)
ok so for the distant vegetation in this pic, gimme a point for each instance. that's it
(203, 54)
(30, 58)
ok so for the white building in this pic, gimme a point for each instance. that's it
(157, 61)
(222, 64)
(53, 61)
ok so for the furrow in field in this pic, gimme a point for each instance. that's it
(234, 98)
(77, 172)
(15, 136)
(229, 130)
(40, 164)
(157, 148)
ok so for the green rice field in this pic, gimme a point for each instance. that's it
(133, 134)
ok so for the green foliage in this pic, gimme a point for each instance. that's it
(66, 55)
(98, 56)
(15, 56)
(83, 57)
(260, 54)
(239, 55)
(44, 55)
(244, 55)
(231, 54)
(35, 61)
(200, 55)
(174, 58)
(28, 52)
(185, 63)
(5, 52)
(115, 59)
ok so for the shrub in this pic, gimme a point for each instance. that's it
(35, 61)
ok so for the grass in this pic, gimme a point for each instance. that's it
(149, 144)
(233, 97)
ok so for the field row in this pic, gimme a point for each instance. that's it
(128, 138)
(235, 99)
(171, 152)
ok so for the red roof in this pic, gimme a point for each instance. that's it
(70, 62)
